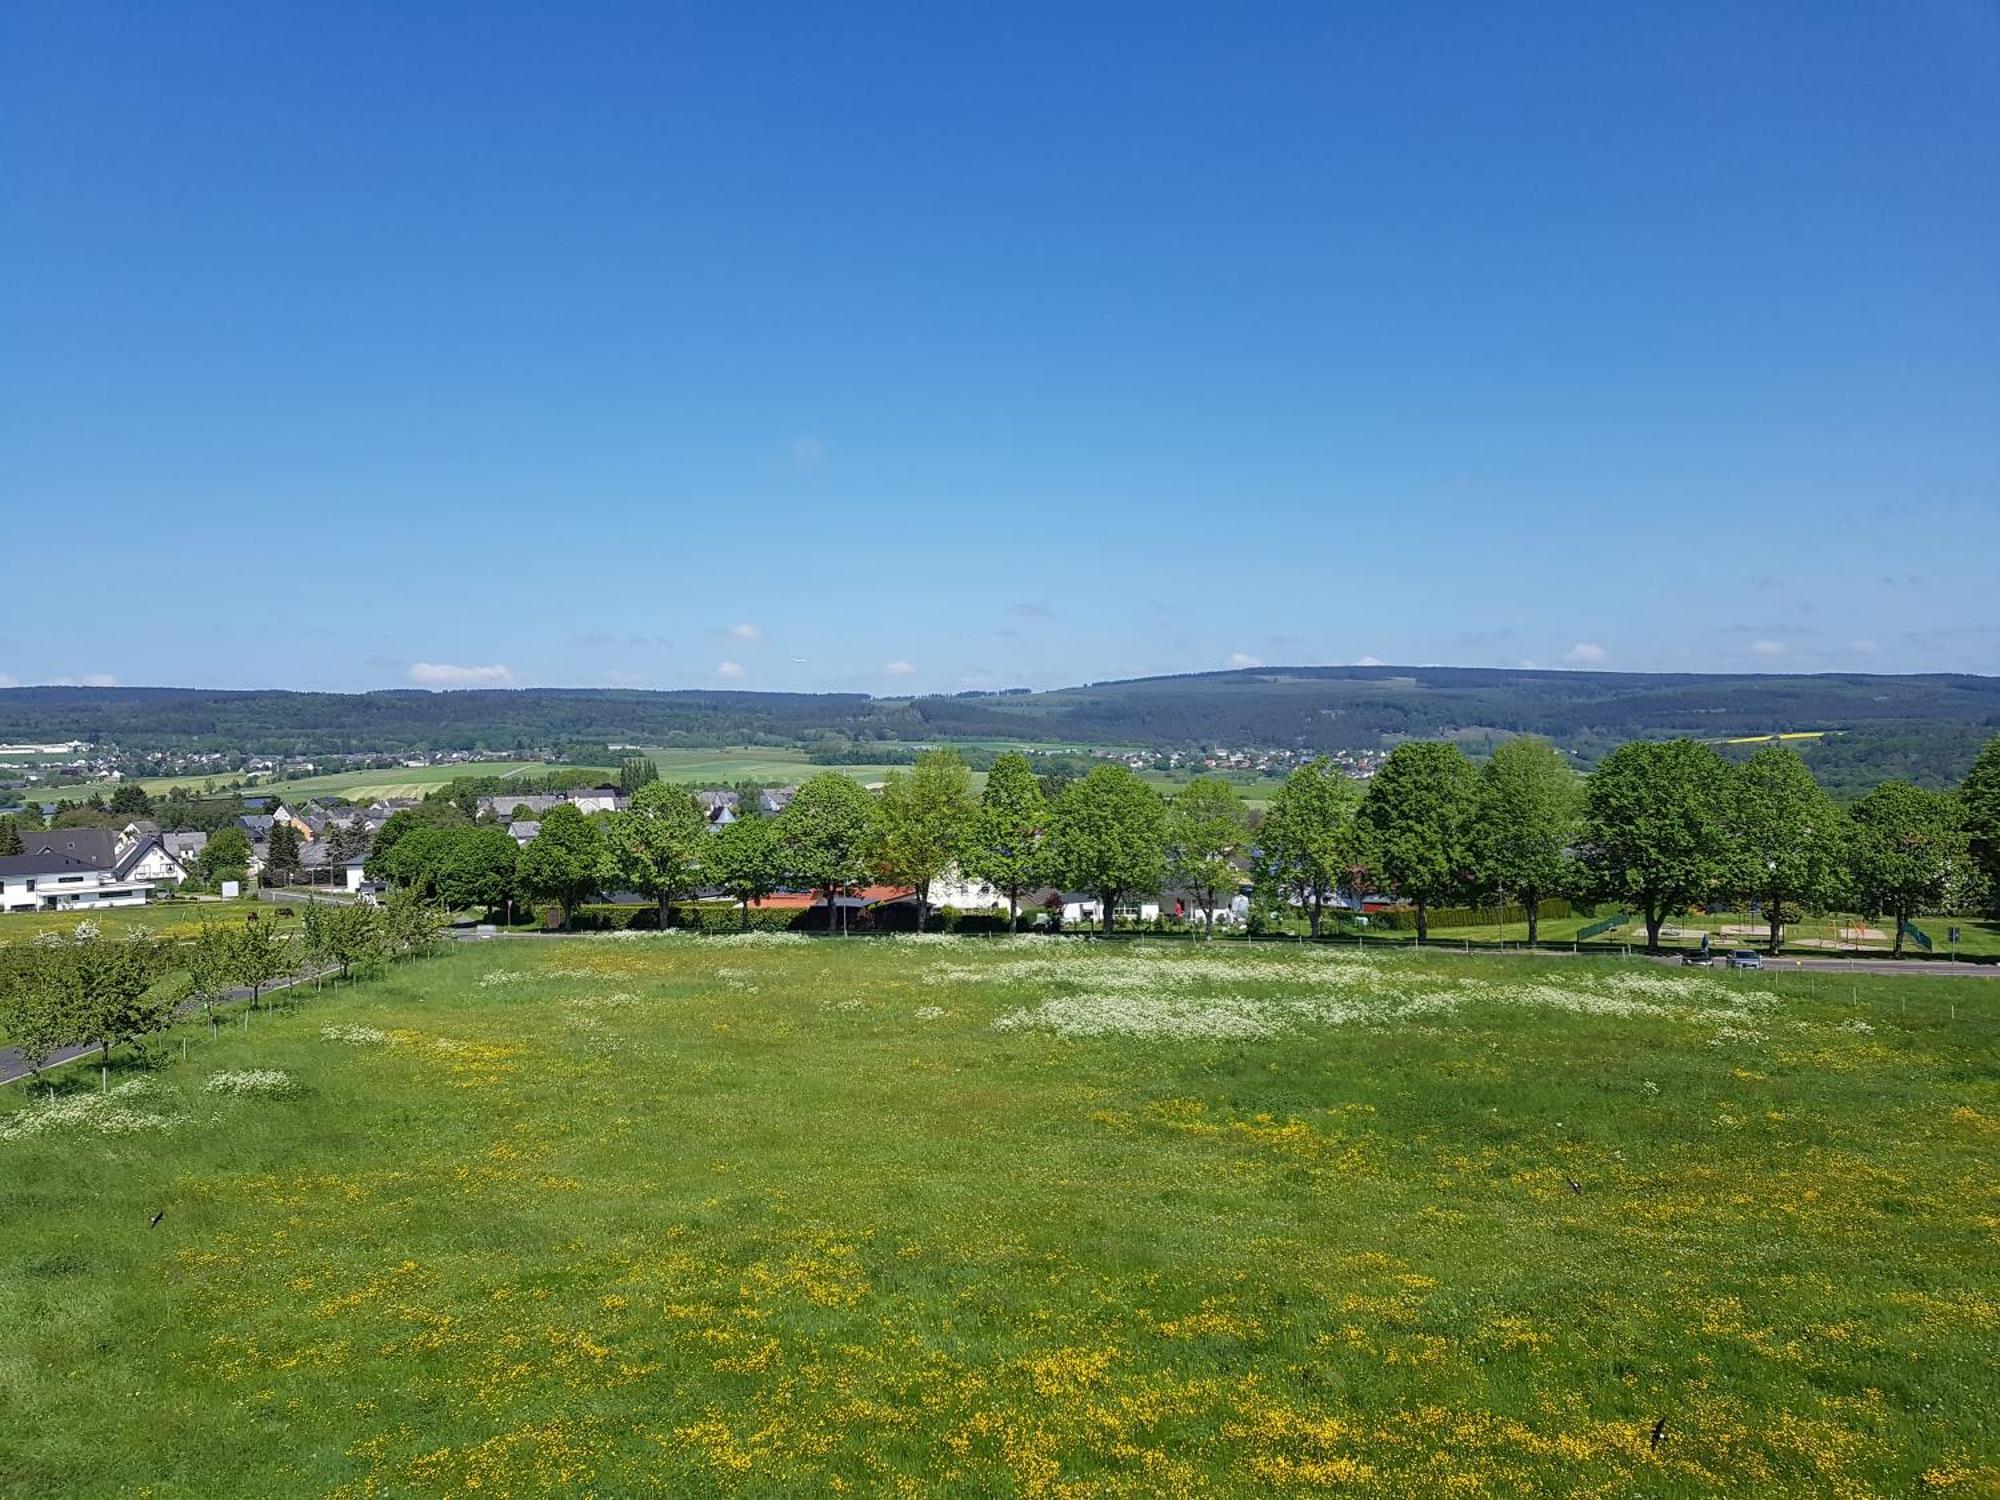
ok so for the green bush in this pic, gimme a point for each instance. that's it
(1404, 918)
(721, 917)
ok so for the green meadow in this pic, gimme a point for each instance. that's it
(777, 1216)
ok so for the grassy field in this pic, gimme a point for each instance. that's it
(774, 1217)
(761, 763)
(167, 919)
(358, 786)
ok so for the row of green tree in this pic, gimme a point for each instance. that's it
(1658, 827)
(86, 989)
(91, 991)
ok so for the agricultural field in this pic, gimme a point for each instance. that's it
(773, 1216)
(356, 786)
(768, 764)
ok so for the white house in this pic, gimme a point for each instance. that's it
(956, 889)
(68, 869)
(143, 854)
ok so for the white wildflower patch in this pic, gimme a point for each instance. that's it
(1857, 1026)
(356, 1036)
(125, 1110)
(1158, 991)
(501, 977)
(931, 1012)
(248, 1082)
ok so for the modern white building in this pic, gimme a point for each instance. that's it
(68, 869)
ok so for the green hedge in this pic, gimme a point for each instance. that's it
(607, 916)
(1404, 918)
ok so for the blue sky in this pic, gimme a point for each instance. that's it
(924, 347)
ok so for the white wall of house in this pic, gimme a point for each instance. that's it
(70, 892)
(158, 867)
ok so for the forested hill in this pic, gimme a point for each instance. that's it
(1928, 725)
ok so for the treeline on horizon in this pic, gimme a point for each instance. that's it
(1923, 728)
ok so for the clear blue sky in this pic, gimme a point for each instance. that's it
(930, 346)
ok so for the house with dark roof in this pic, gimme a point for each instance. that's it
(68, 869)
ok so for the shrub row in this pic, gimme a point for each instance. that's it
(1404, 918)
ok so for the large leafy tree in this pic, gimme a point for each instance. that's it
(655, 846)
(1980, 797)
(564, 863)
(1107, 834)
(225, 856)
(1528, 813)
(1908, 848)
(923, 822)
(430, 813)
(1005, 845)
(826, 835)
(1657, 828)
(479, 866)
(1418, 813)
(131, 801)
(743, 859)
(1789, 835)
(1207, 828)
(1311, 844)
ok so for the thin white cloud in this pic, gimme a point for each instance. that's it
(1370, 661)
(747, 633)
(1241, 659)
(7, 682)
(447, 674)
(898, 669)
(729, 671)
(1863, 648)
(1585, 654)
(98, 679)
(1767, 648)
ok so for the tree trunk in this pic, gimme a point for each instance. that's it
(1104, 900)
(1013, 909)
(1777, 924)
(666, 910)
(1423, 921)
(1653, 918)
(745, 927)
(923, 904)
(1531, 903)
(1316, 912)
(1898, 949)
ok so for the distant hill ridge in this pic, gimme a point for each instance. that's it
(1924, 725)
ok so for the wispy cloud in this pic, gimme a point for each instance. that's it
(1370, 661)
(747, 633)
(448, 674)
(1242, 659)
(898, 668)
(1767, 648)
(1027, 609)
(729, 671)
(7, 682)
(1585, 654)
(98, 679)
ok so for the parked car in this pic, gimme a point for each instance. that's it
(1701, 955)
(1744, 958)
